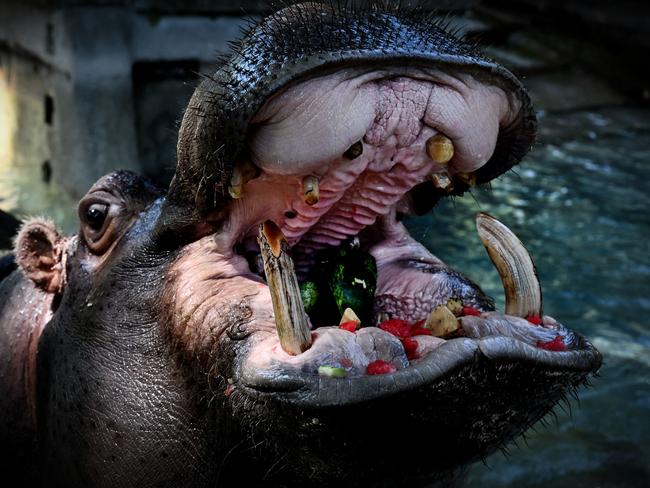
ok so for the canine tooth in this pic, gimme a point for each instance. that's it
(291, 321)
(441, 321)
(440, 149)
(442, 182)
(382, 317)
(350, 316)
(242, 173)
(515, 266)
(310, 190)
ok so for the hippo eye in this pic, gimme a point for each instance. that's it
(98, 223)
(96, 215)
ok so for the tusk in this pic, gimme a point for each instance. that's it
(242, 173)
(440, 149)
(291, 321)
(515, 266)
(310, 191)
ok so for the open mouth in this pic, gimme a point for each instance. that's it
(332, 164)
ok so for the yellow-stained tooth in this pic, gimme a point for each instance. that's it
(440, 149)
(442, 182)
(310, 191)
(242, 173)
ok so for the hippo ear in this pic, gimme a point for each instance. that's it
(39, 253)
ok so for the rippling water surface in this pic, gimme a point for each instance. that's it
(580, 203)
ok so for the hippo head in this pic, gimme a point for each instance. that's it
(181, 351)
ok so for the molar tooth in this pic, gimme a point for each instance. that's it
(242, 173)
(291, 321)
(442, 182)
(350, 316)
(310, 191)
(515, 266)
(441, 321)
(440, 149)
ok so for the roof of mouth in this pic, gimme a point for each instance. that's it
(304, 39)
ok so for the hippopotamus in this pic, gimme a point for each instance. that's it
(168, 343)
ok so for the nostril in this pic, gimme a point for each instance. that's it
(290, 214)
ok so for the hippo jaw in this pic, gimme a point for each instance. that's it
(331, 148)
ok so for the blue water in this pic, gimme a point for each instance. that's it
(580, 203)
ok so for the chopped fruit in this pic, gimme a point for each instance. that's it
(353, 280)
(471, 311)
(350, 316)
(534, 319)
(350, 326)
(309, 295)
(417, 330)
(380, 367)
(397, 327)
(556, 344)
(455, 306)
(441, 321)
(331, 372)
(410, 348)
(346, 363)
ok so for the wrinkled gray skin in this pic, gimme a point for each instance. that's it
(142, 351)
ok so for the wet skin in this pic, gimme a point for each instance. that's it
(144, 352)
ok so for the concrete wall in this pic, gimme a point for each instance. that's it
(85, 89)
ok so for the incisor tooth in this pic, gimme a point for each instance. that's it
(310, 190)
(440, 149)
(441, 321)
(350, 316)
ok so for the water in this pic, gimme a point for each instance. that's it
(580, 203)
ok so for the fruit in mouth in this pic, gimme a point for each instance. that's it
(418, 336)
